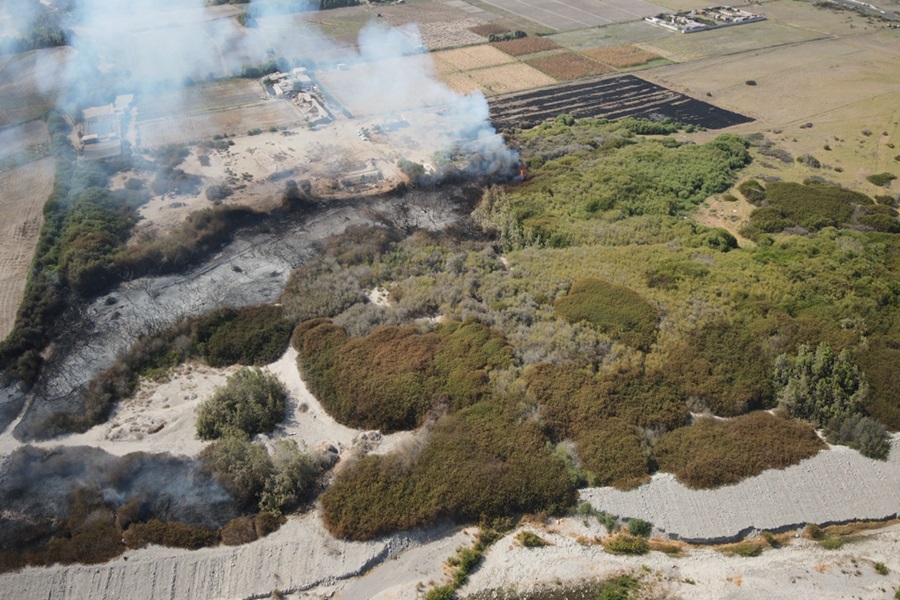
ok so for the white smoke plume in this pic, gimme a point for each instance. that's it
(149, 46)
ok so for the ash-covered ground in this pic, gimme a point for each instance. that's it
(250, 270)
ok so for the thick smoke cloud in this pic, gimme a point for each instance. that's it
(37, 484)
(149, 46)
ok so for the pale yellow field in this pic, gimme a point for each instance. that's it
(509, 78)
(471, 57)
(460, 82)
(23, 192)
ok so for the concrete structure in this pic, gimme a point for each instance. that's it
(703, 19)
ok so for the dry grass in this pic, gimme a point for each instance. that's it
(509, 78)
(672, 548)
(621, 57)
(236, 121)
(526, 45)
(570, 65)
(471, 57)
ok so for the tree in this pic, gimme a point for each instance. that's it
(820, 386)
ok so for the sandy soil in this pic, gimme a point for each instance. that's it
(23, 192)
(802, 569)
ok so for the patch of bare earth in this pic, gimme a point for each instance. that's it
(23, 192)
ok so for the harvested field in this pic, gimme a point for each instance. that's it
(23, 192)
(621, 57)
(204, 126)
(570, 65)
(526, 45)
(566, 15)
(612, 97)
(460, 82)
(450, 34)
(509, 78)
(472, 57)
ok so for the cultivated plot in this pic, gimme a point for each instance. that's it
(566, 15)
(613, 97)
(23, 192)
(509, 78)
(472, 57)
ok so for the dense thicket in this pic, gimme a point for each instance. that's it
(613, 309)
(391, 378)
(480, 462)
(712, 452)
(251, 402)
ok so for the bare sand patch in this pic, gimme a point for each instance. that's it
(509, 78)
(23, 192)
(802, 569)
(833, 486)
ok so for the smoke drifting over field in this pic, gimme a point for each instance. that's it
(145, 47)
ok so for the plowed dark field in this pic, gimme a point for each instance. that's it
(608, 97)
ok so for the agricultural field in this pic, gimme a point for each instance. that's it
(526, 45)
(621, 57)
(509, 78)
(220, 95)
(567, 66)
(611, 97)
(24, 191)
(569, 15)
(471, 57)
(22, 143)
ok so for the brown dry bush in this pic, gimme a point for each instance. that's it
(712, 452)
(614, 455)
(569, 65)
(239, 531)
(526, 45)
(621, 57)
(391, 378)
(171, 534)
(482, 462)
(488, 29)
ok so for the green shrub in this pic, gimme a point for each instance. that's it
(530, 539)
(811, 206)
(614, 310)
(821, 387)
(753, 192)
(481, 462)
(391, 378)
(320, 288)
(441, 592)
(881, 568)
(241, 467)
(712, 453)
(639, 527)
(625, 543)
(723, 366)
(251, 402)
(861, 433)
(255, 335)
(881, 179)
